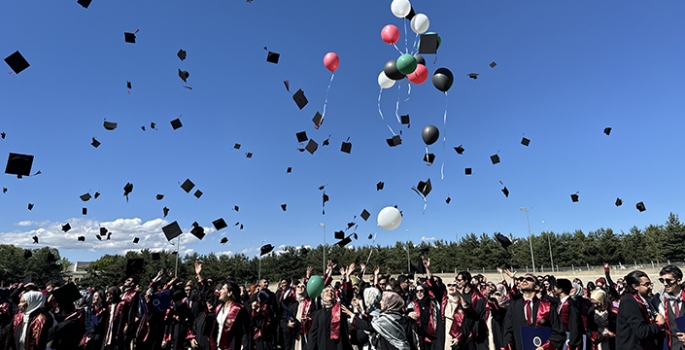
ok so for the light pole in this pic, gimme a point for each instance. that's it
(530, 238)
(549, 241)
(408, 263)
(324, 247)
(259, 271)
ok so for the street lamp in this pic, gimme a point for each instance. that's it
(549, 242)
(259, 259)
(324, 247)
(530, 238)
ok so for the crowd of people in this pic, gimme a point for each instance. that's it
(404, 313)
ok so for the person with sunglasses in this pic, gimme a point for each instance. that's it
(638, 325)
(531, 311)
(477, 305)
(669, 302)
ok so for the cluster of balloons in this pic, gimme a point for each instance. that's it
(389, 218)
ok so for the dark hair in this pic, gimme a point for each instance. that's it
(633, 278)
(672, 270)
(395, 285)
(235, 291)
(466, 276)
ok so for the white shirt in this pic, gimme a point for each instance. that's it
(561, 303)
(221, 319)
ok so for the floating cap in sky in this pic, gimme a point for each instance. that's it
(181, 54)
(128, 188)
(19, 164)
(289, 170)
(84, 211)
(468, 171)
(640, 206)
(425, 187)
(159, 197)
(136, 240)
(103, 231)
(110, 125)
(619, 202)
(130, 37)
(459, 149)
(81, 238)
(428, 43)
(165, 210)
(346, 147)
(365, 214)
(184, 75)
(85, 197)
(494, 159)
(473, 76)
(128, 85)
(17, 62)
(96, 195)
(284, 207)
(493, 64)
(607, 130)
(503, 240)
(35, 239)
(84, 3)
(318, 120)
(345, 241)
(272, 57)
(187, 185)
(429, 158)
(198, 194)
(574, 197)
(339, 234)
(219, 224)
(66, 227)
(172, 231)
(95, 143)
(394, 141)
(525, 141)
(380, 185)
(265, 249)
(30, 206)
(312, 146)
(176, 123)
(236, 146)
(223, 240)
(198, 231)
(302, 136)
(505, 191)
(300, 99)
(404, 119)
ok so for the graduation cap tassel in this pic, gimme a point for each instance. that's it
(381, 112)
(444, 139)
(325, 101)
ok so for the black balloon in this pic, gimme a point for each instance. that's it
(420, 59)
(430, 134)
(443, 79)
(391, 71)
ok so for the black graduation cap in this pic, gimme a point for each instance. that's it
(304, 250)
(17, 62)
(339, 235)
(4, 190)
(96, 195)
(424, 249)
(198, 231)
(345, 241)
(156, 256)
(448, 200)
(607, 130)
(98, 237)
(183, 75)
(312, 146)
(318, 120)
(187, 185)
(176, 123)
(219, 224)
(574, 197)
(503, 240)
(640, 206)
(30, 206)
(84, 211)
(429, 158)
(380, 185)
(525, 141)
(130, 37)
(394, 141)
(103, 231)
(468, 171)
(404, 119)
(81, 238)
(66, 227)
(420, 268)
(198, 194)
(27, 253)
(493, 64)
(181, 54)
(35, 239)
(166, 211)
(128, 188)
(19, 164)
(494, 159)
(172, 231)
(2, 135)
(159, 196)
(365, 214)
(272, 57)
(459, 149)
(284, 206)
(66, 294)
(505, 191)
(110, 125)
(289, 170)
(265, 249)
(302, 136)
(85, 197)
(346, 147)
(300, 99)
(95, 143)
(223, 240)
(84, 3)
(136, 240)
(619, 202)
(473, 76)
(128, 85)
(248, 154)
(236, 146)
(370, 236)
(327, 141)
(428, 43)
(425, 187)
(236, 208)
(134, 266)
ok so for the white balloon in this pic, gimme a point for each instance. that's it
(420, 23)
(389, 218)
(384, 82)
(400, 8)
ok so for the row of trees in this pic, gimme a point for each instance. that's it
(655, 243)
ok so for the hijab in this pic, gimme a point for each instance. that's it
(392, 302)
(34, 301)
(372, 296)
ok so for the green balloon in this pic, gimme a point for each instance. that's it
(315, 286)
(406, 64)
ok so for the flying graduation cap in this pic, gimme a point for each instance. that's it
(272, 57)
(19, 164)
(494, 159)
(84, 3)
(181, 54)
(219, 224)
(300, 99)
(504, 190)
(184, 75)
(198, 231)
(607, 130)
(95, 143)
(187, 185)
(380, 185)
(428, 44)
(17, 62)
(172, 230)
(503, 240)
(574, 197)
(265, 249)
(128, 188)
(176, 123)
(640, 207)
(493, 64)
(473, 76)
(459, 149)
(394, 141)
(424, 188)
(130, 37)
(66, 227)
(224, 240)
(525, 141)
(109, 125)
(30, 206)
(343, 242)
(618, 202)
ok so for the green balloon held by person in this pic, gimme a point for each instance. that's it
(315, 286)
(406, 64)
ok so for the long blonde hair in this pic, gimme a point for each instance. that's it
(601, 297)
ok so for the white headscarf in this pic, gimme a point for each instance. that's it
(578, 290)
(34, 300)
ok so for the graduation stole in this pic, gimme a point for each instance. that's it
(304, 325)
(544, 307)
(430, 328)
(233, 310)
(668, 327)
(335, 321)
(457, 321)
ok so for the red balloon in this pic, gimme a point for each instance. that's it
(390, 34)
(419, 76)
(331, 61)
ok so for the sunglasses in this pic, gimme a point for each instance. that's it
(459, 280)
(666, 281)
(452, 285)
(419, 290)
(300, 286)
(648, 284)
(530, 279)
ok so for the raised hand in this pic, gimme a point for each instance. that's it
(606, 265)
(309, 271)
(376, 270)
(426, 262)
(362, 266)
(343, 272)
(198, 267)
(350, 269)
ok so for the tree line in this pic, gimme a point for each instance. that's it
(657, 243)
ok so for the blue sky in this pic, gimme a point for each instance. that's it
(565, 71)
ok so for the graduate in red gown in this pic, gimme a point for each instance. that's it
(31, 325)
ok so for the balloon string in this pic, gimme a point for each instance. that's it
(325, 102)
(444, 139)
(413, 46)
(381, 112)
(425, 201)
(405, 36)
(397, 104)
(398, 49)
(408, 92)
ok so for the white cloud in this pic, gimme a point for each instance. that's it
(424, 238)
(226, 252)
